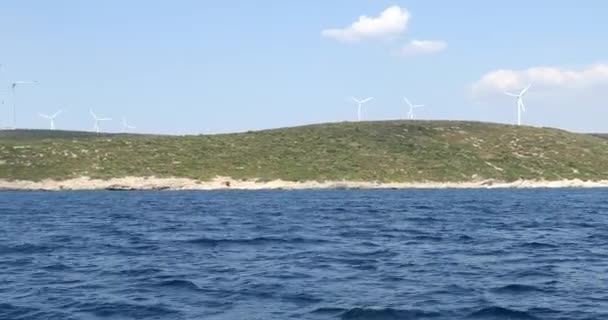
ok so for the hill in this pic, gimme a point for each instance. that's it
(36, 134)
(386, 151)
(600, 135)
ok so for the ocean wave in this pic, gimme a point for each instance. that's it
(385, 314)
(62, 238)
(57, 267)
(13, 312)
(370, 244)
(329, 310)
(331, 260)
(465, 237)
(9, 311)
(380, 253)
(453, 289)
(490, 252)
(410, 231)
(127, 310)
(517, 288)
(179, 284)
(26, 248)
(598, 236)
(538, 245)
(253, 241)
(301, 299)
(363, 234)
(422, 219)
(428, 238)
(538, 272)
(499, 313)
(134, 272)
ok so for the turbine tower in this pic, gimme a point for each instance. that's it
(126, 126)
(521, 107)
(51, 118)
(13, 87)
(410, 113)
(360, 103)
(98, 121)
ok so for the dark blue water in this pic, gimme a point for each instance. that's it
(476, 254)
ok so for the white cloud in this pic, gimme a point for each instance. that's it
(545, 77)
(416, 47)
(391, 22)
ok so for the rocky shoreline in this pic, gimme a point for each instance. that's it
(223, 183)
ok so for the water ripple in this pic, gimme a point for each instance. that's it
(332, 254)
(499, 313)
(385, 314)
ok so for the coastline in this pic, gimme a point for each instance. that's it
(224, 183)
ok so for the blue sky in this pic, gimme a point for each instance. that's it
(218, 66)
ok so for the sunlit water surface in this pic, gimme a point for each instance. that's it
(388, 254)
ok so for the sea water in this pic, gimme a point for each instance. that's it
(342, 254)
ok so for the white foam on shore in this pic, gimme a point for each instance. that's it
(224, 183)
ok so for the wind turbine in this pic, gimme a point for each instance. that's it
(521, 107)
(126, 126)
(360, 104)
(51, 118)
(13, 87)
(98, 121)
(410, 113)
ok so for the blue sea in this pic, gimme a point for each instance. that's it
(342, 254)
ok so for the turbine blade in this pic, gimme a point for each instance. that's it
(525, 89)
(367, 100)
(24, 82)
(57, 113)
(93, 114)
(511, 94)
(356, 100)
(407, 101)
(44, 115)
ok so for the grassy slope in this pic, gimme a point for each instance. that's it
(600, 135)
(382, 151)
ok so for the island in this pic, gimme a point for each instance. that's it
(375, 154)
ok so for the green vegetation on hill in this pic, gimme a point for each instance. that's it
(600, 135)
(399, 151)
(35, 134)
